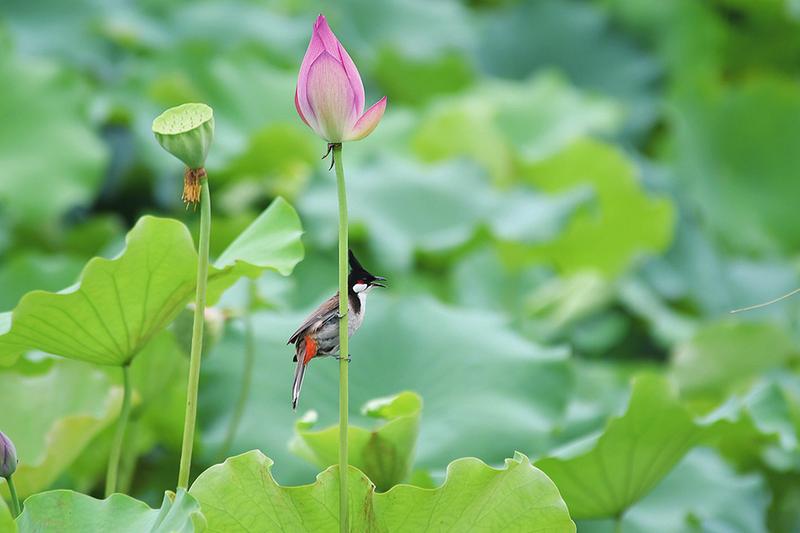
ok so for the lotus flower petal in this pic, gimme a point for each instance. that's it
(299, 110)
(368, 121)
(331, 96)
(323, 32)
(300, 97)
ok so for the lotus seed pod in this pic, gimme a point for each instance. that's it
(186, 131)
(8, 456)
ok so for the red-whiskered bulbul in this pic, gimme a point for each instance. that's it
(319, 334)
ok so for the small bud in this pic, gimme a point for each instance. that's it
(215, 319)
(186, 131)
(8, 456)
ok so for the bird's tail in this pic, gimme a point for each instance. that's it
(298, 381)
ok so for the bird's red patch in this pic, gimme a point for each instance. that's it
(311, 349)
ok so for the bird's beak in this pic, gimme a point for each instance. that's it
(379, 281)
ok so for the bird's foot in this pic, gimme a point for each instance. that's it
(339, 358)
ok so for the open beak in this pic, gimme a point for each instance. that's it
(379, 281)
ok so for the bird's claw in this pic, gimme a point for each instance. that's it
(339, 358)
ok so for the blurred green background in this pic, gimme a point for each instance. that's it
(563, 193)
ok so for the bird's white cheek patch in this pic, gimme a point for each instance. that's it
(359, 287)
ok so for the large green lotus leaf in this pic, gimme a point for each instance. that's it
(67, 33)
(452, 357)
(667, 325)
(771, 39)
(406, 207)
(277, 161)
(480, 279)
(412, 27)
(121, 303)
(769, 9)
(175, 37)
(245, 88)
(49, 153)
(7, 524)
(66, 511)
(574, 307)
(706, 491)
(602, 237)
(407, 27)
(52, 413)
(562, 301)
(383, 454)
(476, 497)
(242, 495)
(737, 178)
(702, 493)
(762, 425)
(603, 475)
(271, 241)
(238, 25)
(689, 37)
(118, 305)
(599, 391)
(157, 368)
(722, 356)
(498, 122)
(528, 36)
(415, 82)
(699, 270)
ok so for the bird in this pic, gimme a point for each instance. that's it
(318, 335)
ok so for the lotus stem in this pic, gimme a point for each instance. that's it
(343, 340)
(119, 437)
(190, 418)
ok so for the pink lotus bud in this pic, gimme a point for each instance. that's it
(330, 95)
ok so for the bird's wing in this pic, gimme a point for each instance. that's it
(329, 306)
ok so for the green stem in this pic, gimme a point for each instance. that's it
(343, 338)
(119, 436)
(127, 463)
(15, 508)
(190, 418)
(247, 374)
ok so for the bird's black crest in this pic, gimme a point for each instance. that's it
(355, 266)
